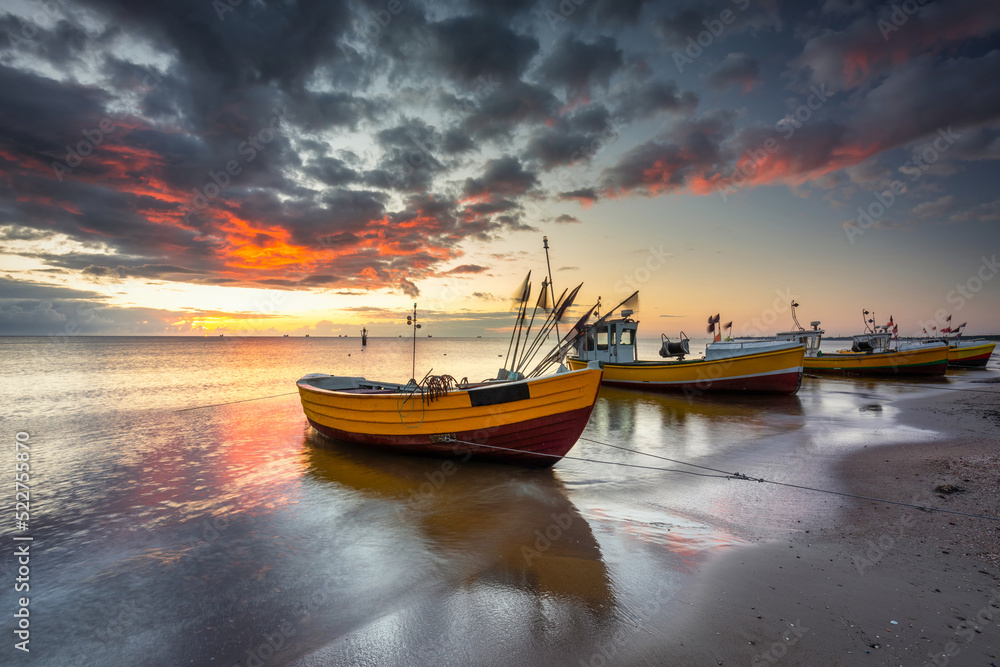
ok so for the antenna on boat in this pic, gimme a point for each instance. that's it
(795, 319)
(552, 290)
(411, 320)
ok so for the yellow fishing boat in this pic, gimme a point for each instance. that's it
(970, 353)
(754, 366)
(918, 360)
(532, 421)
(872, 353)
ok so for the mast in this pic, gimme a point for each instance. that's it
(552, 290)
(412, 320)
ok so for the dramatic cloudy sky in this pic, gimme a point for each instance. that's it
(266, 167)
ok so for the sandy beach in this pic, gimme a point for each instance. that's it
(887, 585)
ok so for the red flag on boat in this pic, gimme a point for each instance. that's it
(946, 330)
(925, 331)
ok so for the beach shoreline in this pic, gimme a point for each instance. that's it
(881, 584)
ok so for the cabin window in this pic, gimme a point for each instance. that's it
(626, 337)
(602, 340)
(590, 343)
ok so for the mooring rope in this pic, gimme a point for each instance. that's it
(725, 475)
(578, 458)
(242, 400)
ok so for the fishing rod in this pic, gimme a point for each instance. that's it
(542, 296)
(522, 312)
(524, 286)
(543, 331)
(578, 330)
(563, 347)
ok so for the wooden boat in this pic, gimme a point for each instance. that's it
(871, 354)
(757, 366)
(970, 353)
(533, 421)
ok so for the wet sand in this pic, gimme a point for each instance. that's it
(884, 585)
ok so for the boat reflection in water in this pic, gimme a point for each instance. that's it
(509, 548)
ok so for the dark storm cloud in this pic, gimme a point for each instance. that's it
(885, 35)
(506, 108)
(649, 98)
(253, 43)
(575, 65)
(61, 45)
(576, 136)
(503, 177)
(467, 47)
(583, 195)
(677, 22)
(332, 171)
(465, 268)
(689, 152)
(398, 141)
(30, 291)
(737, 69)
(140, 271)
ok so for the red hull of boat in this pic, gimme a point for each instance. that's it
(976, 362)
(533, 440)
(779, 383)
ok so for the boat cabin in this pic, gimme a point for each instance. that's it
(870, 343)
(611, 341)
(810, 338)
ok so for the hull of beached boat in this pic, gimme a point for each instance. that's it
(773, 371)
(925, 361)
(532, 422)
(970, 354)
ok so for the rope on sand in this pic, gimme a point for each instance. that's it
(721, 474)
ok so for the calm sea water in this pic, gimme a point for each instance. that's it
(171, 530)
